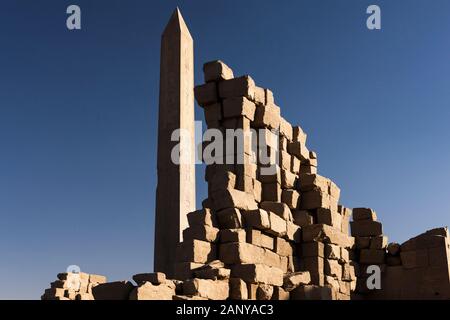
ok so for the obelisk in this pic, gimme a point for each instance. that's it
(175, 193)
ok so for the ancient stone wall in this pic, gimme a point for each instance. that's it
(277, 231)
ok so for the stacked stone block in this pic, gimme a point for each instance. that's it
(73, 286)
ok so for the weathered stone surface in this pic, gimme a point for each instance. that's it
(201, 217)
(210, 289)
(348, 272)
(217, 71)
(332, 252)
(293, 232)
(184, 270)
(238, 289)
(291, 198)
(258, 219)
(271, 192)
(258, 273)
(238, 106)
(233, 199)
(264, 292)
(280, 294)
(315, 266)
(229, 218)
(148, 291)
(154, 278)
(286, 129)
(204, 233)
(96, 278)
(196, 251)
(214, 270)
(280, 209)
(414, 259)
(313, 292)
(232, 235)
(293, 280)
(238, 87)
(238, 252)
(119, 290)
(253, 236)
(288, 179)
(330, 217)
(302, 217)
(362, 242)
(360, 214)
(283, 247)
(267, 241)
(327, 234)
(299, 135)
(333, 268)
(278, 226)
(366, 228)
(299, 150)
(267, 116)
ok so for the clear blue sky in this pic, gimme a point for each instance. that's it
(78, 117)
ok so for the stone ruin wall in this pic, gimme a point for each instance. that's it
(275, 237)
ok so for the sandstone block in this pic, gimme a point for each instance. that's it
(360, 214)
(264, 292)
(326, 234)
(210, 289)
(196, 251)
(302, 217)
(299, 150)
(184, 270)
(238, 106)
(232, 235)
(96, 278)
(293, 232)
(293, 280)
(299, 135)
(266, 241)
(254, 236)
(332, 252)
(217, 71)
(378, 242)
(206, 94)
(333, 268)
(238, 252)
(148, 291)
(271, 192)
(155, 278)
(258, 219)
(366, 228)
(278, 226)
(362, 242)
(267, 116)
(118, 290)
(258, 273)
(330, 217)
(229, 218)
(237, 87)
(280, 294)
(233, 199)
(238, 289)
(280, 209)
(213, 114)
(288, 179)
(283, 247)
(414, 259)
(286, 129)
(295, 164)
(204, 233)
(348, 272)
(393, 249)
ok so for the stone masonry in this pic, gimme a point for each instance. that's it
(277, 236)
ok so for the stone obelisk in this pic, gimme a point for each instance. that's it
(175, 193)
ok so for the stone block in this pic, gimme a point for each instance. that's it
(232, 235)
(204, 233)
(414, 259)
(118, 290)
(217, 71)
(299, 150)
(278, 225)
(326, 234)
(253, 236)
(155, 278)
(238, 289)
(315, 199)
(280, 294)
(196, 251)
(233, 199)
(206, 94)
(219, 179)
(291, 198)
(229, 218)
(201, 217)
(264, 292)
(267, 116)
(333, 268)
(393, 249)
(332, 251)
(283, 247)
(213, 114)
(288, 179)
(366, 228)
(293, 280)
(238, 87)
(96, 278)
(286, 129)
(258, 219)
(210, 289)
(271, 192)
(295, 164)
(360, 214)
(184, 270)
(378, 242)
(148, 291)
(330, 217)
(315, 266)
(238, 252)
(258, 273)
(362, 242)
(280, 209)
(293, 232)
(299, 135)
(302, 217)
(238, 106)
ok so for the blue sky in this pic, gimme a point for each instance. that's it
(78, 114)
